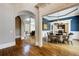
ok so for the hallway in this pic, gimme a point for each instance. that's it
(23, 48)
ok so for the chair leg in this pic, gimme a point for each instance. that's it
(71, 42)
(63, 41)
(68, 42)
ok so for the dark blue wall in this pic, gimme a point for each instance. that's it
(74, 22)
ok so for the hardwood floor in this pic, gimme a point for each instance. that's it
(54, 50)
(23, 48)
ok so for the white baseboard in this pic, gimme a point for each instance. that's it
(22, 38)
(6, 45)
(18, 36)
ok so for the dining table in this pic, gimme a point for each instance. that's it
(57, 38)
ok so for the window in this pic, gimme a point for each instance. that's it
(30, 24)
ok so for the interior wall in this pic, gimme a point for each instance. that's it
(22, 30)
(75, 27)
(44, 31)
(7, 24)
(8, 12)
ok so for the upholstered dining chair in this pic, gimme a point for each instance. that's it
(68, 38)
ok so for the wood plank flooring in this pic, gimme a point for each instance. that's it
(54, 50)
(23, 48)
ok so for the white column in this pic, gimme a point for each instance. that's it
(36, 29)
(29, 24)
(40, 31)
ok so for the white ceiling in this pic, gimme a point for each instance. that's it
(25, 15)
(60, 13)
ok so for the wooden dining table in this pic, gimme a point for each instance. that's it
(57, 38)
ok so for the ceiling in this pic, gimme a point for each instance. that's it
(64, 13)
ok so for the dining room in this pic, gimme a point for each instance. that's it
(59, 27)
(57, 31)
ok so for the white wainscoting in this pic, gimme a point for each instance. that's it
(76, 34)
(6, 45)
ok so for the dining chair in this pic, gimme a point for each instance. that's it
(68, 38)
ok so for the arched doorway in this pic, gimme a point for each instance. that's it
(18, 27)
(25, 26)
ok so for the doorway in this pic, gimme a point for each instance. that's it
(18, 27)
(25, 27)
(30, 29)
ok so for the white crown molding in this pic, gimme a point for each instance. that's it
(41, 4)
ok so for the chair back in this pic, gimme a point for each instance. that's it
(69, 38)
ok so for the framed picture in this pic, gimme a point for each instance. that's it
(45, 26)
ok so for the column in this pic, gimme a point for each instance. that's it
(36, 31)
(40, 31)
